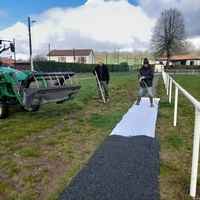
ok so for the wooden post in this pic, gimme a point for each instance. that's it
(101, 90)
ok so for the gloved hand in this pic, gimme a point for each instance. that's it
(141, 78)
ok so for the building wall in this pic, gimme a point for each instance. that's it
(195, 62)
(70, 59)
(53, 58)
(187, 62)
(65, 59)
(90, 59)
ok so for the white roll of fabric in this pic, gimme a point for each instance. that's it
(140, 120)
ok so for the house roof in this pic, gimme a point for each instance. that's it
(70, 52)
(180, 58)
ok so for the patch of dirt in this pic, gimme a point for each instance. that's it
(56, 170)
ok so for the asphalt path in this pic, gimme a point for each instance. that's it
(121, 169)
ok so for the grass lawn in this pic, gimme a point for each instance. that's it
(176, 142)
(41, 152)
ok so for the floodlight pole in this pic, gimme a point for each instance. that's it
(118, 56)
(106, 58)
(49, 46)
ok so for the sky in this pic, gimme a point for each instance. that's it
(14, 11)
(11, 11)
(103, 25)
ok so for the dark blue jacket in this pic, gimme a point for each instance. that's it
(102, 73)
(147, 72)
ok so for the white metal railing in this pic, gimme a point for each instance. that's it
(169, 82)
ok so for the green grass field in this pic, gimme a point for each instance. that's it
(41, 152)
(176, 142)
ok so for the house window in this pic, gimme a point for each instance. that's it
(191, 62)
(62, 59)
(183, 62)
(82, 60)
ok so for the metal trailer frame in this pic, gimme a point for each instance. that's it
(32, 89)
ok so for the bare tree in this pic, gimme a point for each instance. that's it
(188, 47)
(169, 33)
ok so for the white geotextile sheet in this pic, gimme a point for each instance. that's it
(139, 120)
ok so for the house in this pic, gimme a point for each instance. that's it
(85, 56)
(7, 61)
(181, 60)
(18, 64)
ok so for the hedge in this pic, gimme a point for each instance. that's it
(50, 66)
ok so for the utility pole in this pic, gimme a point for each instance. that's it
(14, 44)
(74, 55)
(30, 43)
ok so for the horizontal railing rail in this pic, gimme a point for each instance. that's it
(169, 82)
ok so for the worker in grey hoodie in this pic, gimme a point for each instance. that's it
(146, 76)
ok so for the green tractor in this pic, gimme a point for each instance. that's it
(30, 89)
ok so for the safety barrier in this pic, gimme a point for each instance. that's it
(169, 82)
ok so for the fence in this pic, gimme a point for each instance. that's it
(169, 82)
(183, 71)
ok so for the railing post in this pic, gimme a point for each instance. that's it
(195, 154)
(170, 90)
(165, 79)
(175, 105)
(167, 84)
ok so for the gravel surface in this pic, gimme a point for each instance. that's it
(121, 169)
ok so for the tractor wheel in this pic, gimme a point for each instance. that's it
(32, 108)
(36, 105)
(35, 108)
(3, 110)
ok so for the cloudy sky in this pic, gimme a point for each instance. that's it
(98, 24)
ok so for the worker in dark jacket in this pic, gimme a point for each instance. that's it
(104, 78)
(145, 75)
